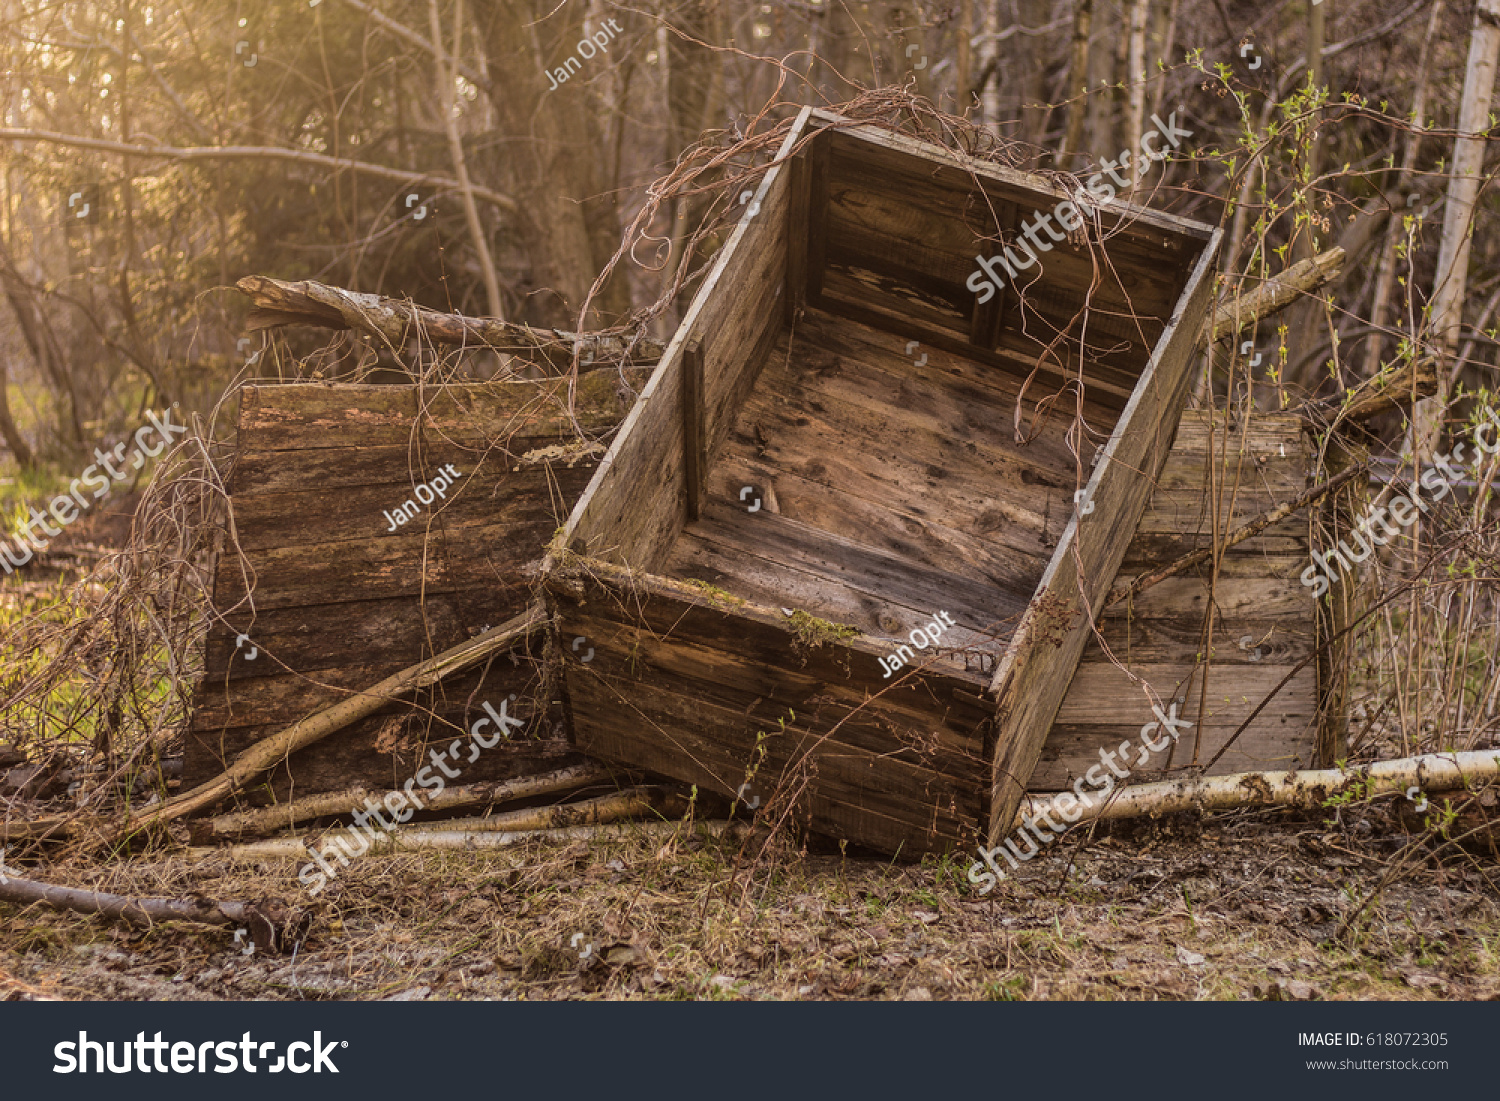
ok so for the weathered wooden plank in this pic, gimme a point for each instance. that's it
(394, 565)
(843, 564)
(349, 758)
(800, 228)
(1271, 742)
(379, 633)
(839, 810)
(851, 298)
(301, 416)
(1263, 624)
(917, 719)
(913, 466)
(941, 178)
(1283, 640)
(287, 696)
(1118, 340)
(695, 436)
(1007, 556)
(290, 471)
(534, 499)
(1034, 675)
(816, 155)
(748, 640)
(740, 325)
(742, 724)
(1187, 597)
(669, 724)
(1110, 696)
(387, 747)
(948, 395)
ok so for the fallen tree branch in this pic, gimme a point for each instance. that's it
(1389, 390)
(1308, 789)
(264, 820)
(1239, 535)
(394, 322)
(293, 848)
(265, 921)
(268, 752)
(1303, 277)
(632, 803)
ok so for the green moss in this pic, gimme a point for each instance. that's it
(716, 594)
(812, 631)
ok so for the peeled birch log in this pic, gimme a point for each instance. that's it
(264, 820)
(1429, 773)
(406, 840)
(393, 321)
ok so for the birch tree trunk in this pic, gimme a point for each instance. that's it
(1135, 83)
(1458, 220)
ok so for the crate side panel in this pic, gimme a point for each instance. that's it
(1034, 675)
(684, 689)
(1264, 624)
(331, 600)
(634, 508)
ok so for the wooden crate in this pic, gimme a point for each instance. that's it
(835, 368)
(333, 601)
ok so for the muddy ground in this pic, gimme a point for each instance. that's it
(1338, 905)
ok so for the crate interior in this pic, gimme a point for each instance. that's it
(889, 490)
(880, 432)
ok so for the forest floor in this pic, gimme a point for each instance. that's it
(1340, 904)
(1248, 906)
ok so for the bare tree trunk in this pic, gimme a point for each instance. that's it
(447, 88)
(1165, 35)
(965, 57)
(1458, 220)
(566, 221)
(989, 68)
(1304, 318)
(1100, 142)
(1385, 280)
(8, 431)
(1074, 158)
